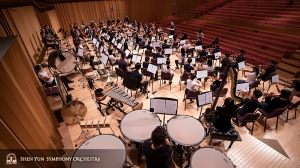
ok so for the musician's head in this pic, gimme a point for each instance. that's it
(159, 136)
(227, 55)
(172, 23)
(256, 70)
(147, 59)
(273, 62)
(217, 45)
(204, 47)
(242, 51)
(37, 68)
(285, 94)
(165, 41)
(149, 42)
(200, 31)
(256, 94)
(123, 55)
(159, 50)
(229, 109)
(138, 66)
(189, 60)
(296, 85)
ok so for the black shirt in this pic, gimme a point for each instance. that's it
(274, 103)
(165, 45)
(240, 58)
(160, 158)
(203, 53)
(224, 62)
(250, 106)
(149, 47)
(188, 67)
(145, 65)
(123, 65)
(138, 77)
(198, 43)
(269, 70)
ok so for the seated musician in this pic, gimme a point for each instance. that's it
(158, 151)
(251, 76)
(158, 54)
(148, 46)
(184, 36)
(125, 47)
(217, 83)
(167, 69)
(204, 52)
(160, 33)
(187, 67)
(181, 57)
(122, 63)
(240, 58)
(49, 42)
(272, 68)
(209, 67)
(200, 34)
(191, 84)
(198, 42)
(49, 79)
(146, 62)
(142, 84)
(224, 63)
(273, 102)
(165, 45)
(112, 57)
(214, 43)
(250, 103)
(294, 88)
(222, 117)
(186, 45)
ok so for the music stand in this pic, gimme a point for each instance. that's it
(203, 99)
(152, 69)
(164, 105)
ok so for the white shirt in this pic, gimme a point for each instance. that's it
(43, 74)
(111, 58)
(165, 69)
(186, 46)
(180, 58)
(191, 84)
(212, 68)
(251, 77)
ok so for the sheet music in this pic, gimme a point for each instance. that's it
(127, 52)
(131, 43)
(275, 78)
(241, 65)
(202, 74)
(100, 31)
(97, 44)
(80, 52)
(161, 60)
(101, 49)
(171, 107)
(168, 51)
(94, 41)
(158, 105)
(104, 59)
(201, 100)
(198, 47)
(119, 46)
(113, 40)
(208, 97)
(153, 38)
(85, 31)
(107, 37)
(182, 41)
(242, 87)
(136, 58)
(123, 40)
(217, 55)
(156, 44)
(152, 68)
(193, 60)
(171, 36)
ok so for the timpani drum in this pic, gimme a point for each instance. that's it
(110, 149)
(62, 60)
(86, 69)
(210, 158)
(139, 124)
(91, 75)
(186, 130)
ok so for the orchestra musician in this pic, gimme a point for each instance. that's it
(48, 41)
(267, 71)
(126, 19)
(273, 102)
(294, 88)
(191, 85)
(181, 58)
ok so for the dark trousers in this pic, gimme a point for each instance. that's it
(64, 79)
(144, 86)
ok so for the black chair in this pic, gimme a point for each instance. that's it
(165, 76)
(291, 106)
(119, 73)
(249, 117)
(183, 77)
(131, 83)
(268, 78)
(274, 113)
(254, 85)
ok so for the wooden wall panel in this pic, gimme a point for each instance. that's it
(146, 11)
(54, 23)
(24, 106)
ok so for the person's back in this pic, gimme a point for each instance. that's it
(280, 101)
(222, 118)
(251, 104)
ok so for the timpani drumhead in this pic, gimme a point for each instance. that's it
(139, 124)
(210, 158)
(110, 149)
(185, 130)
(67, 64)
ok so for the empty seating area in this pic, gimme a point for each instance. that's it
(205, 7)
(274, 13)
(165, 22)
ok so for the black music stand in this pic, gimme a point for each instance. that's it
(169, 103)
(203, 99)
(151, 68)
